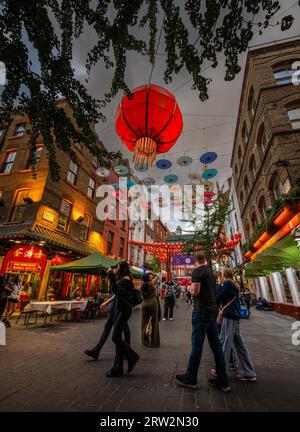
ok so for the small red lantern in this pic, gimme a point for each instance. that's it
(149, 122)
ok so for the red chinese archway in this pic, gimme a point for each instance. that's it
(164, 251)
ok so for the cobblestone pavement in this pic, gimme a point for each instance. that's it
(44, 369)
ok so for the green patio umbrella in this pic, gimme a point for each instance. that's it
(91, 264)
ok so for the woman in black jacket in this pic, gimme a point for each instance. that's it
(123, 310)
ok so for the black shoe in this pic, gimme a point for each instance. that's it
(114, 374)
(216, 383)
(131, 365)
(6, 323)
(183, 381)
(94, 352)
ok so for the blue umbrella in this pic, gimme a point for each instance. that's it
(208, 157)
(163, 164)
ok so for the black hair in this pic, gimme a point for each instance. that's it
(123, 270)
(146, 278)
(16, 278)
(3, 280)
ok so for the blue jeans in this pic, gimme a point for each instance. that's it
(204, 323)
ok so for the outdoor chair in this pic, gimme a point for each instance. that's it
(87, 314)
(26, 314)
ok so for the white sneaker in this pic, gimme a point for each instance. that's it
(171, 319)
(164, 319)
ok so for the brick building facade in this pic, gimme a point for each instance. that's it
(55, 219)
(268, 132)
(266, 174)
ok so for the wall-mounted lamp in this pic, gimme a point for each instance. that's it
(80, 219)
(28, 200)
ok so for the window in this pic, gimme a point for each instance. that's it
(239, 154)
(262, 207)
(241, 198)
(252, 166)
(110, 241)
(85, 227)
(8, 162)
(245, 135)
(121, 249)
(251, 103)
(20, 129)
(19, 206)
(95, 161)
(37, 154)
(277, 189)
(64, 217)
(253, 220)
(72, 173)
(246, 185)
(284, 75)
(262, 139)
(123, 222)
(294, 116)
(236, 171)
(91, 188)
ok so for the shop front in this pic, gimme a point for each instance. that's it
(30, 262)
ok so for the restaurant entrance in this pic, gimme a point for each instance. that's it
(29, 261)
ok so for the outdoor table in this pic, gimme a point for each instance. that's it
(47, 306)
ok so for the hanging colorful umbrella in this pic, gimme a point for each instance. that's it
(130, 183)
(210, 173)
(148, 181)
(171, 179)
(141, 168)
(208, 158)
(163, 164)
(102, 172)
(148, 122)
(121, 170)
(184, 161)
(194, 177)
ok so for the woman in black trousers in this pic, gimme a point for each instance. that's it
(123, 311)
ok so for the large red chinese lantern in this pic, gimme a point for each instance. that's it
(149, 122)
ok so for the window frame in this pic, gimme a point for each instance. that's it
(91, 191)
(19, 206)
(295, 120)
(72, 176)
(17, 134)
(122, 242)
(85, 227)
(110, 244)
(7, 163)
(62, 216)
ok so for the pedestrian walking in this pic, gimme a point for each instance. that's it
(95, 351)
(204, 317)
(169, 300)
(14, 288)
(230, 330)
(150, 313)
(124, 294)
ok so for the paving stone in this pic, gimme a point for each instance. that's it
(43, 368)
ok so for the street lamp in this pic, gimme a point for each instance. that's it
(131, 229)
